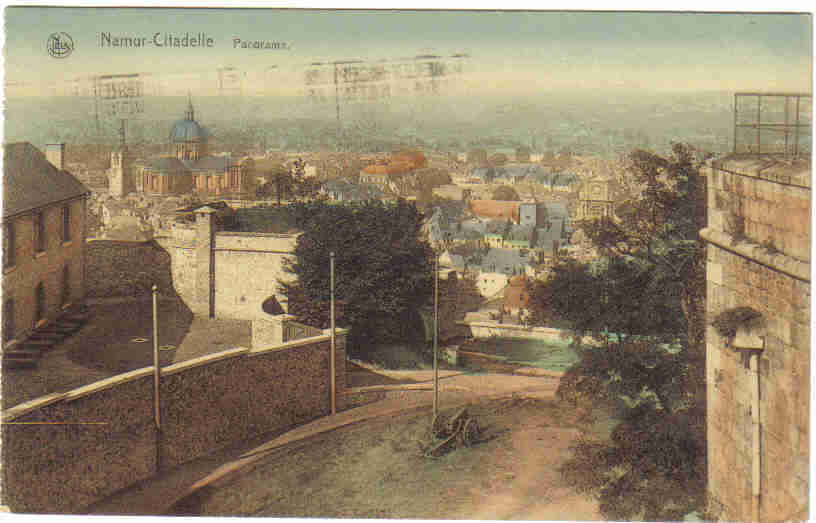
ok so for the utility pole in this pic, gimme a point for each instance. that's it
(337, 105)
(156, 376)
(332, 357)
(156, 357)
(436, 336)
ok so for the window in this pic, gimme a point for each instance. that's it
(9, 245)
(40, 240)
(8, 320)
(65, 294)
(66, 223)
(39, 303)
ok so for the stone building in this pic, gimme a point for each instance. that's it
(120, 175)
(188, 169)
(596, 199)
(758, 337)
(44, 233)
(226, 274)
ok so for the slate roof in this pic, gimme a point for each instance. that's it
(31, 181)
(186, 130)
(520, 233)
(167, 164)
(556, 209)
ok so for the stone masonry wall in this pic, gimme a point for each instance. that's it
(31, 268)
(101, 438)
(758, 256)
(247, 268)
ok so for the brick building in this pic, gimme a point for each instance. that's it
(43, 241)
(189, 169)
(758, 336)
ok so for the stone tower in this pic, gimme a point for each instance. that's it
(120, 177)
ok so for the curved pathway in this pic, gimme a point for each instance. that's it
(159, 494)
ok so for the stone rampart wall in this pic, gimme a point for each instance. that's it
(65, 451)
(758, 256)
(247, 268)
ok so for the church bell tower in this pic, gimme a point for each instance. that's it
(120, 179)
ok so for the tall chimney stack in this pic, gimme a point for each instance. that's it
(55, 153)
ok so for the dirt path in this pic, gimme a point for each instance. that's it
(376, 468)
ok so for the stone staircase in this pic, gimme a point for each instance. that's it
(27, 354)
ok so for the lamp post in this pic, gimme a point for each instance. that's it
(436, 336)
(333, 340)
(441, 245)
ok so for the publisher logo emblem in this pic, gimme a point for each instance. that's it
(60, 45)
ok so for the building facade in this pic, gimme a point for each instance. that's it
(44, 232)
(189, 168)
(758, 337)
(595, 200)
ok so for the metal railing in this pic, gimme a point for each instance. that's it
(772, 123)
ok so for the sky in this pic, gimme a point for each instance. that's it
(509, 52)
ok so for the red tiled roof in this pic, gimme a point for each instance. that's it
(495, 209)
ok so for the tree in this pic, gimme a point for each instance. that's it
(505, 193)
(383, 270)
(432, 178)
(649, 291)
(279, 182)
(288, 183)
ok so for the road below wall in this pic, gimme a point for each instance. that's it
(156, 495)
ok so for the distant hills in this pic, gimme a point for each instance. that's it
(590, 122)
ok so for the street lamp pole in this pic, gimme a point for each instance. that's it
(436, 336)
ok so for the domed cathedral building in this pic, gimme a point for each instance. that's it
(190, 169)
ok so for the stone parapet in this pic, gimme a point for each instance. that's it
(65, 451)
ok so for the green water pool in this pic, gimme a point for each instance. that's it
(551, 354)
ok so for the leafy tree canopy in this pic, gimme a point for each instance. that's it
(645, 301)
(383, 269)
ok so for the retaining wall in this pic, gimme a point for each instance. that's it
(758, 256)
(65, 451)
(245, 270)
(488, 329)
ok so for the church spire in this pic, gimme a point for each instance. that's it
(190, 114)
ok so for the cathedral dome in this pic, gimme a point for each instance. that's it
(187, 129)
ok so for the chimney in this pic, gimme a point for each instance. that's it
(55, 153)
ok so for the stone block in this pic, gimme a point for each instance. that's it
(799, 247)
(716, 219)
(781, 328)
(800, 336)
(714, 273)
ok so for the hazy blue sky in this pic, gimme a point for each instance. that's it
(511, 52)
